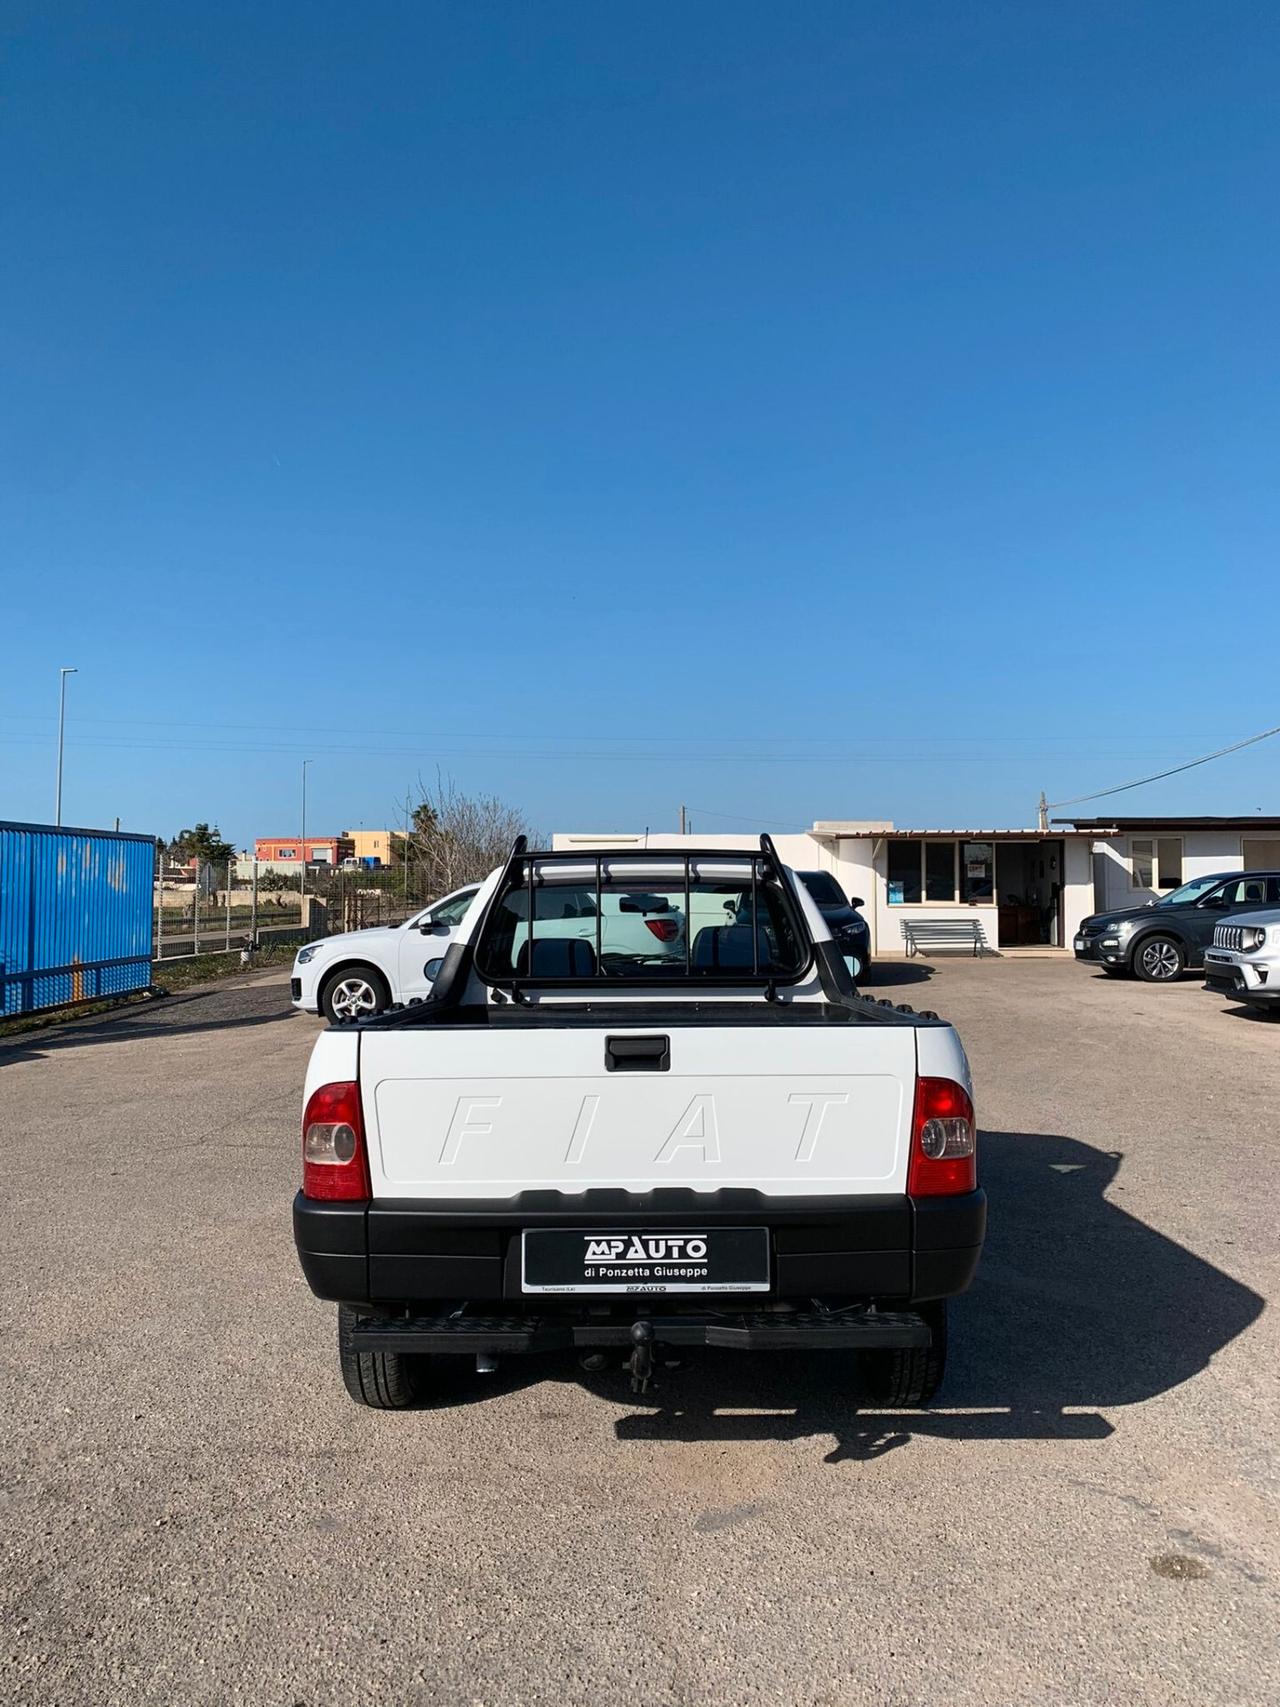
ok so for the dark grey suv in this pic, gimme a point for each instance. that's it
(1165, 938)
(844, 921)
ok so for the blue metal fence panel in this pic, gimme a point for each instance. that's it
(75, 915)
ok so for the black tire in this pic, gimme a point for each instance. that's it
(344, 981)
(382, 1380)
(1159, 959)
(909, 1377)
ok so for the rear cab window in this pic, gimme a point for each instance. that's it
(562, 920)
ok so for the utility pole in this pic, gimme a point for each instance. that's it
(302, 882)
(1044, 812)
(62, 718)
(682, 820)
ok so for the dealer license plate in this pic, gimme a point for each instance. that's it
(719, 1259)
(1079, 944)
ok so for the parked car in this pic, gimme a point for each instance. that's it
(844, 921)
(363, 972)
(1160, 941)
(1244, 961)
(731, 1148)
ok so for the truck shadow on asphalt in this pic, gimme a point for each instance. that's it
(885, 974)
(172, 1016)
(1078, 1306)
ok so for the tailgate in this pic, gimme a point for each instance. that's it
(803, 1110)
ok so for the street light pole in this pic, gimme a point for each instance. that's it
(302, 888)
(62, 718)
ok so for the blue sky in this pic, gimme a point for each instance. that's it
(814, 411)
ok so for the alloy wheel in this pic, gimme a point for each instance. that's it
(353, 997)
(1160, 961)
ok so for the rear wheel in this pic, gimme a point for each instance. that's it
(382, 1380)
(911, 1376)
(354, 992)
(1159, 959)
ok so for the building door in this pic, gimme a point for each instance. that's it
(1029, 893)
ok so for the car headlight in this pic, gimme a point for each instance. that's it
(308, 953)
(1122, 929)
(1253, 937)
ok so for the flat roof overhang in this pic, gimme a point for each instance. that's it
(1113, 826)
(835, 832)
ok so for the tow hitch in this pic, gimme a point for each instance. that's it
(641, 1362)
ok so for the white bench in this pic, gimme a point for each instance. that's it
(943, 933)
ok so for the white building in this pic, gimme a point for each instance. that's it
(1136, 859)
(1026, 888)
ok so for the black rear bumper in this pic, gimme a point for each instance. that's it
(858, 1329)
(392, 1255)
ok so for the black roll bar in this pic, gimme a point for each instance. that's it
(686, 858)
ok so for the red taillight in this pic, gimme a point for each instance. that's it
(334, 1164)
(944, 1150)
(666, 930)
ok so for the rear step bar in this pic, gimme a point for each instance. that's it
(754, 1331)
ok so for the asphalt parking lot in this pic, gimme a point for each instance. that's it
(193, 1511)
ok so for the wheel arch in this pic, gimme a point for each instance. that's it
(1139, 937)
(351, 963)
(346, 965)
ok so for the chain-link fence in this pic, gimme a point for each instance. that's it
(220, 908)
(357, 900)
(207, 909)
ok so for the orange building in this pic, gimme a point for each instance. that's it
(321, 850)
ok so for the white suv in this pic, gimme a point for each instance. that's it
(363, 972)
(1244, 961)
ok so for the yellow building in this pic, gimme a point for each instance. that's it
(375, 844)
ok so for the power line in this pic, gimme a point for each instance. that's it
(833, 745)
(737, 818)
(557, 754)
(1120, 788)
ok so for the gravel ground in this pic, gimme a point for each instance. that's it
(193, 1511)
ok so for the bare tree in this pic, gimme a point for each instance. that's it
(456, 838)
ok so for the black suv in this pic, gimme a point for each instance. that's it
(1167, 937)
(844, 921)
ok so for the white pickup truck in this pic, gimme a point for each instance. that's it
(570, 1144)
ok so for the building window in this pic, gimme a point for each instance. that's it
(977, 871)
(921, 871)
(904, 873)
(939, 871)
(1155, 862)
(1260, 853)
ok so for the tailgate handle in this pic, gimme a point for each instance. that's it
(637, 1054)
